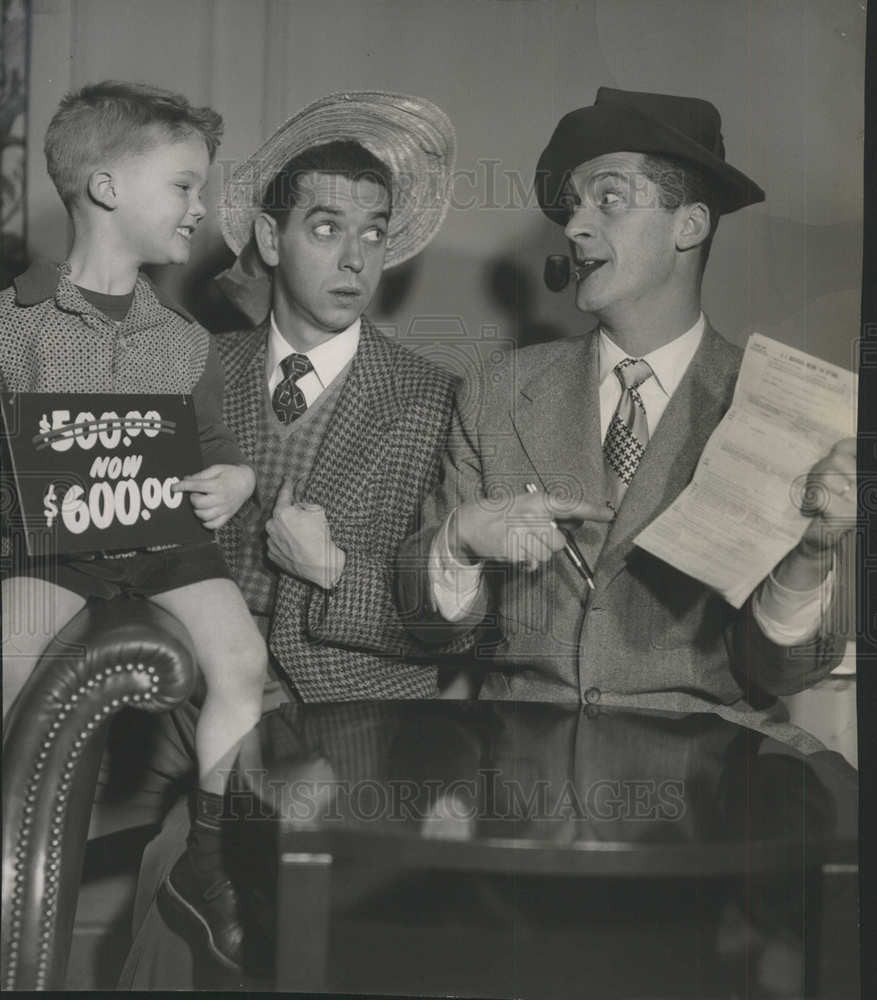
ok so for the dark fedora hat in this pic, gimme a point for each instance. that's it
(686, 128)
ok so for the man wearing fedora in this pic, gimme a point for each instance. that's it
(600, 432)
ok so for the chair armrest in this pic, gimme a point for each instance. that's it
(111, 655)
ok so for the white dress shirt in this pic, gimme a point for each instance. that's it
(787, 617)
(328, 359)
(668, 363)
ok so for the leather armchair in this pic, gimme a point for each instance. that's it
(111, 655)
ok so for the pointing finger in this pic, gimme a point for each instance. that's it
(191, 484)
(577, 513)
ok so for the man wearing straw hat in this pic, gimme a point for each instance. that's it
(617, 420)
(344, 428)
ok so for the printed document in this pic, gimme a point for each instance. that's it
(741, 512)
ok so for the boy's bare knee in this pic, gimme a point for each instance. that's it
(244, 666)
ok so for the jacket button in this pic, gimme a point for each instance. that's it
(592, 696)
(592, 711)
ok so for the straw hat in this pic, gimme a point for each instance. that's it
(412, 136)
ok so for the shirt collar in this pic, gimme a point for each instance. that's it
(328, 358)
(38, 282)
(42, 280)
(668, 362)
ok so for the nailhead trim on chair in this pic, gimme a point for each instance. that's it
(58, 815)
(53, 740)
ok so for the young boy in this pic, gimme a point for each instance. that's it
(130, 163)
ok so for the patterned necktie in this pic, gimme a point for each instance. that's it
(628, 432)
(288, 400)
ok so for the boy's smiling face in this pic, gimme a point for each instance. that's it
(159, 199)
(327, 254)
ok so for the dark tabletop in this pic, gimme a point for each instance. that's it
(498, 849)
(545, 788)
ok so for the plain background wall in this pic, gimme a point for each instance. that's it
(787, 76)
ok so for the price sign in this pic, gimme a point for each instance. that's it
(96, 471)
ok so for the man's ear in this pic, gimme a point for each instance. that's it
(266, 231)
(694, 225)
(102, 189)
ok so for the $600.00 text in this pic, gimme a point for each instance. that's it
(124, 501)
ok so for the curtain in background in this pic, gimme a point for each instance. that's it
(14, 32)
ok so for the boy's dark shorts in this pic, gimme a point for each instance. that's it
(142, 573)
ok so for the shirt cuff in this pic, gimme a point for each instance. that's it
(791, 617)
(454, 585)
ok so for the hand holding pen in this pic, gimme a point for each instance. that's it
(520, 529)
(570, 549)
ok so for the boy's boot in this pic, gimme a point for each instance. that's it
(199, 885)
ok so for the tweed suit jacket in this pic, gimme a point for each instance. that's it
(648, 635)
(380, 456)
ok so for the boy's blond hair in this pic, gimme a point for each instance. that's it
(107, 120)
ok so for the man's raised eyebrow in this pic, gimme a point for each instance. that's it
(380, 213)
(323, 209)
(614, 174)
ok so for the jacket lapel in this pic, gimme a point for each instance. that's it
(354, 438)
(697, 406)
(557, 421)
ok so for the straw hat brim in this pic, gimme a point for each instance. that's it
(412, 136)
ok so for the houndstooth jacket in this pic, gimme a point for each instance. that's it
(379, 458)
